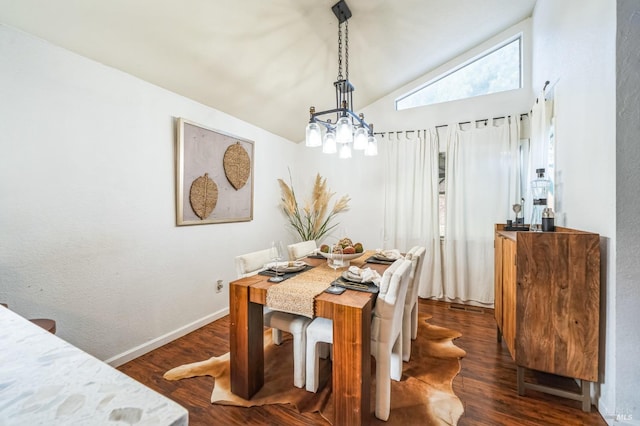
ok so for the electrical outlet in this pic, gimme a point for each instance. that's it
(219, 286)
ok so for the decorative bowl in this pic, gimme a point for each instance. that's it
(344, 256)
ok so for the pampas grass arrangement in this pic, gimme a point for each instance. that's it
(313, 221)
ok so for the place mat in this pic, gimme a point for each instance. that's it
(368, 287)
(297, 295)
(372, 259)
(286, 275)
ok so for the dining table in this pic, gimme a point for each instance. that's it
(351, 315)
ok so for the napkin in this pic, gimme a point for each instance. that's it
(284, 265)
(363, 275)
(391, 254)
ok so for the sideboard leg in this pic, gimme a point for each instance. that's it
(586, 396)
(520, 375)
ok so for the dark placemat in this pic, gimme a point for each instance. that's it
(366, 287)
(285, 276)
(382, 262)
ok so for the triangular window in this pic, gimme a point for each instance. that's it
(497, 70)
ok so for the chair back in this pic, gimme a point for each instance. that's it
(300, 250)
(416, 255)
(252, 263)
(387, 314)
(385, 281)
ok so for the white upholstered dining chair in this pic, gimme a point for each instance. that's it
(250, 264)
(410, 315)
(299, 250)
(386, 336)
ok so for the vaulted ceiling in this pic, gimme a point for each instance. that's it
(266, 61)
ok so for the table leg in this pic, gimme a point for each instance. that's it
(351, 364)
(246, 342)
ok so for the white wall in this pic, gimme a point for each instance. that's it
(87, 217)
(575, 48)
(359, 177)
(627, 294)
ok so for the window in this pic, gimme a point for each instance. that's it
(497, 70)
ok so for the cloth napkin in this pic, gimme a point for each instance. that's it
(363, 275)
(391, 254)
(285, 265)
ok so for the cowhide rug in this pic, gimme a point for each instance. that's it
(425, 391)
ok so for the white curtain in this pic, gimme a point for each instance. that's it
(480, 191)
(411, 202)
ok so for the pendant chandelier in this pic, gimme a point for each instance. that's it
(348, 130)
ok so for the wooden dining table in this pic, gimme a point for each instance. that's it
(351, 315)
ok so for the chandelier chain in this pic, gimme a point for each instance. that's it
(346, 47)
(339, 52)
(349, 128)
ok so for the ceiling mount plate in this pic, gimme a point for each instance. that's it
(341, 10)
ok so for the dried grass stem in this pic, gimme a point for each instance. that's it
(313, 221)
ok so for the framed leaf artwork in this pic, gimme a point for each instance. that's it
(214, 176)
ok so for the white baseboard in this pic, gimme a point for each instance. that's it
(625, 418)
(137, 351)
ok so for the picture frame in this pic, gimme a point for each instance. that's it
(214, 175)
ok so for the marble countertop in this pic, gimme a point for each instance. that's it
(47, 381)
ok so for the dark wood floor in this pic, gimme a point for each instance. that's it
(486, 384)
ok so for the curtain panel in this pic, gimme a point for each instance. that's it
(411, 202)
(481, 187)
(482, 182)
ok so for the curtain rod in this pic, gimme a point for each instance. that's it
(445, 125)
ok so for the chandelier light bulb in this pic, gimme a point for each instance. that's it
(313, 135)
(360, 139)
(344, 130)
(345, 151)
(372, 146)
(329, 143)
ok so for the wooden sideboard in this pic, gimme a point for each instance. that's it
(547, 304)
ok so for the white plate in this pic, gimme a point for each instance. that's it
(384, 258)
(349, 277)
(344, 256)
(284, 267)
